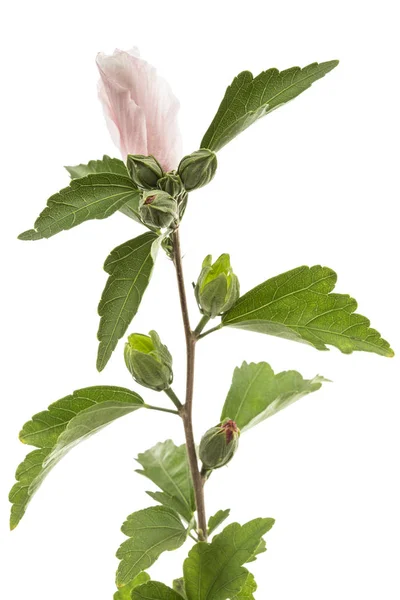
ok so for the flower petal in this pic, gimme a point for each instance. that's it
(141, 106)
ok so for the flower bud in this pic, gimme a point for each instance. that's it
(149, 361)
(219, 444)
(197, 169)
(158, 209)
(172, 184)
(217, 287)
(145, 171)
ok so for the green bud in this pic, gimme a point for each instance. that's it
(197, 169)
(172, 184)
(145, 171)
(158, 209)
(217, 287)
(219, 444)
(149, 361)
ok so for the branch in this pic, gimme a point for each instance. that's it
(186, 411)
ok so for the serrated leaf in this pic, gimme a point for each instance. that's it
(109, 165)
(257, 393)
(125, 592)
(298, 305)
(129, 267)
(247, 591)
(151, 531)
(58, 429)
(167, 466)
(215, 521)
(96, 196)
(179, 587)
(248, 98)
(214, 571)
(154, 590)
(105, 165)
(261, 548)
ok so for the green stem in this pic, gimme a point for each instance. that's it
(167, 410)
(203, 335)
(202, 323)
(171, 394)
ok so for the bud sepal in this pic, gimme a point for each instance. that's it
(145, 171)
(149, 361)
(158, 209)
(218, 445)
(217, 288)
(197, 169)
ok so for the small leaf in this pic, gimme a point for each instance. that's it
(250, 586)
(256, 393)
(106, 165)
(215, 521)
(179, 586)
(58, 429)
(247, 99)
(171, 502)
(151, 531)
(298, 305)
(125, 592)
(129, 267)
(214, 571)
(154, 590)
(96, 196)
(167, 466)
(261, 548)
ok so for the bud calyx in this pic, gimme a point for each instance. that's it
(197, 169)
(149, 361)
(219, 444)
(145, 171)
(158, 209)
(217, 287)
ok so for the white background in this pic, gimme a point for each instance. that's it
(313, 183)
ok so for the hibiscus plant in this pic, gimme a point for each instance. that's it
(151, 185)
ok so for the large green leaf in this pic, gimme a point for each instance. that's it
(58, 429)
(105, 165)
(151, 531)
(154, 590)
(214, 571)
(95, 196)
(167, 466)
(216, 520)
(125, 592)
(129, 267)
(109, 165)
(298, 305)
(247, 99)
(256, 393)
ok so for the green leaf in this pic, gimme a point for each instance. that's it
(109, 165)
(261, 548)
(179, 586)
(125, 592)
(154, 590)
(256, 393)
(58, 429)
(105, 165)
(298, 305)
(214, 571)
(151, 531)
(96, 196)
(167, 466)
(129, 267)
(247, 99)
(215, 521)
(246, 593)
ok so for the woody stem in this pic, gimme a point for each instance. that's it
(186, 410)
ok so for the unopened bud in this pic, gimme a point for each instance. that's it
(217, 287)
(149, 361)
(197, 169)
(158, 209)
(172, 184)
(219, 444)
(145, 171)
